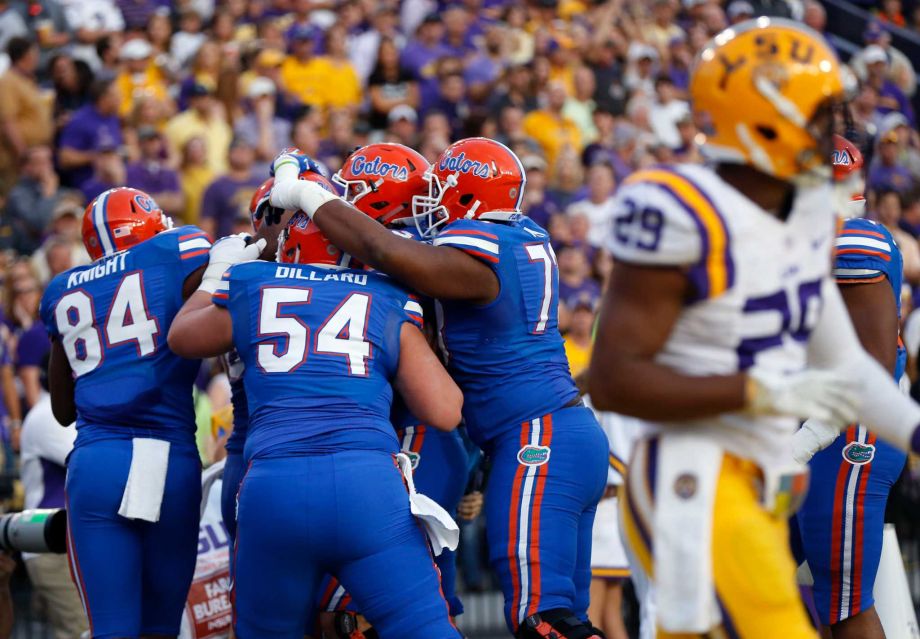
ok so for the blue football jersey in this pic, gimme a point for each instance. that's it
(866, 252)
(507, 356)
(112, 318)
(319, 349)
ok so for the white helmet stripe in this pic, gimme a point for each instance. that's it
(99, 223)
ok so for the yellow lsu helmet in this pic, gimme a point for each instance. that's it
(758, 85)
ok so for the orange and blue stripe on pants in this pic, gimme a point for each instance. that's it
(842, 520)
(547, 478)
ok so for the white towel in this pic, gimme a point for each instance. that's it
(443, 532)
(685, 492)
(143, 494)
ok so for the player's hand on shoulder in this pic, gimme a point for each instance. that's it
(226, 252)
(826, 395)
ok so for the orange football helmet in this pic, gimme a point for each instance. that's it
(849, 184)
(381, 179)
(472, 178)
(760, 85)
(301, 241)
(119, 219)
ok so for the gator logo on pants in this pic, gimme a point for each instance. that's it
(858, 454)
(534, 455)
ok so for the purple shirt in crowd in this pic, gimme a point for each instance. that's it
(153, 177)
(88, 130)
(33, 345)
(226, 200)
(895, 178)
(891, 90)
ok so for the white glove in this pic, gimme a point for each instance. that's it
(226, 252)
(813, 436)
(826, 395)
(293, 194)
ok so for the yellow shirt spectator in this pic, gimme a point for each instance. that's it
(345, 89)
(203, 119)
(579, 356)
(310, 80)
(140, 77)
(553, 132)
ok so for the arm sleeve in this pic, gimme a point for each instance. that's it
(46, 311)
(221, 297)
(473, 238)
(866, 253)
(834, 344)
(193, 246)
(413, 310)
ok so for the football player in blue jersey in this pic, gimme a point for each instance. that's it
(133, 479)
(323, 347)
(495, 277)
(852, 472)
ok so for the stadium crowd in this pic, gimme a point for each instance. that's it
(189, 101)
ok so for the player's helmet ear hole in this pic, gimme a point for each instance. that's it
(466, 198)
(767, 131)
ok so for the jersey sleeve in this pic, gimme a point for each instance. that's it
(661, 218)
(46, 309)
(221, 297)
(865, 253)
(471, 237)
(193, 246)
(413, 310)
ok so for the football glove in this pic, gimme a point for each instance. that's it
(296, 158)
(812, 437)
(825, 395)
(226, 252)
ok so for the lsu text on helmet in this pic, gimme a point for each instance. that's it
(763, 87)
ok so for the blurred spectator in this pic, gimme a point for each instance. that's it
(229, 194)
(890, 96)
(340, 142)
(885, 171)
(579, 108)
(598, 205)
(402, 125)
(550, 128)
(108, 172)
(536, 205)
(641, 69)
(345, 92)
(205, 118)
(12, 25)
(566, 179)
(194, 175)
(451, 100)
(421, 53)
(739, 11)
(485, 68)
(151, 174)
(908, 152)
(890, 12)
(578, 338)
(888, 211)
(45, 445)
(259, 125)
(138, 14)
(92, 128)
(139, 78)
(71, 80)
(32, 342)
(187, 40)
(205, 70)
(92, 22)
(65, 230)
(666, 112)
(457, 38)
(25, 112)
(304, 75)
(390, 85)
(662, 28)
(900, 69)
(575, 279)
(32, 200)
(363, 47)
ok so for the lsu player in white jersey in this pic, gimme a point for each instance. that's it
(722, 328)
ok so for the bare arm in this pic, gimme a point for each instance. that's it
(10, 396)
(633, 327)
(424, 385)
(31, 386)
(874, 313)
(61, 384)
(201, 329)
(441, 272)
(70, 158)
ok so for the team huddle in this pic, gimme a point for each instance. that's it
(360, 330)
